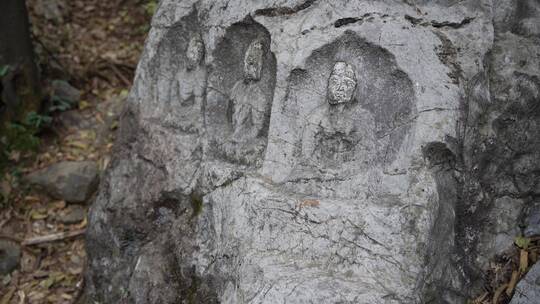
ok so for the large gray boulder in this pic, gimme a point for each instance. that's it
(320, 152)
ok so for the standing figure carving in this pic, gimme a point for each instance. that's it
(240, 92)
(248, 104)
(193, 78)
(192, 83)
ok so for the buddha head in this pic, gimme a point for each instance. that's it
(341, 84)
(195, 51)
(253, 60)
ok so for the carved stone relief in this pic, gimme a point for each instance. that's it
(195, 52)
(192, 85)
(240, 95)
(253, 61)
(341, 84)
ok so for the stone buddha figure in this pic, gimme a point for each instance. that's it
(249, 106)
(340, 130)
(195, 52)
(194, 85)
(192, 82)
(253, 61)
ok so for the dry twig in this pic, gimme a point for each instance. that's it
(52, 237)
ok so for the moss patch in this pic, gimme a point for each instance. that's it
(196, 201)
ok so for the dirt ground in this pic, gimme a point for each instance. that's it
(95, 46)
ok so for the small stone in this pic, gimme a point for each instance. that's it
(73, 214)
(527, 290)
(73, 119)
(64, 91)
(74, 182)
(10, 255)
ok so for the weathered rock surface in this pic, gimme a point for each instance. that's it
(74, 182)
(532, 220)
(320, 152)
(528, 289)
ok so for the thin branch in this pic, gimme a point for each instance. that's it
(52, 237)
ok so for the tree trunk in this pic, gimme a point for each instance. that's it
(20, 90)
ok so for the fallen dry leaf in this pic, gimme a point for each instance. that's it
(82, 224)
(79, 145)
(83, 104)
(60, 204)
(15, 156)
(38, 214)
(22, 297)
(47, 283)
(31, 199)
(9, 294)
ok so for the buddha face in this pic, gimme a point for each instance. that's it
(341, 84)
(253, 61)
(195, 52)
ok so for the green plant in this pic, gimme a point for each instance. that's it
(151, 7)
(37, 121)
(522, 242)
(4, 70)
(59, 104)
(196, 203)
(20, 137)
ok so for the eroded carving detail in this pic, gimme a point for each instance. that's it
(191, 83)
(249, 107)
(358, 123)
(195, 52)
(339, 135)
(253, 61)
(240, 92)
(248, 102)
(341, 84)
